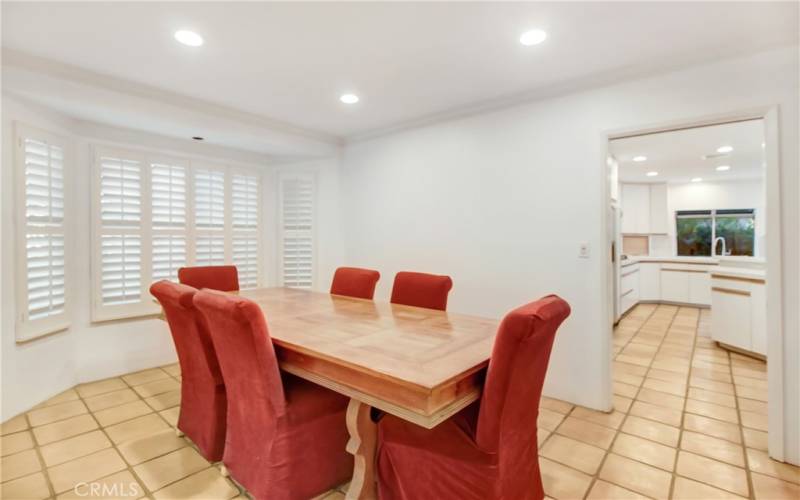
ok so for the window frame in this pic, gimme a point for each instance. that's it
(147, 306)
(27, 329)
(712, 215)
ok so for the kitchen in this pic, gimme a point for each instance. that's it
(690, 215)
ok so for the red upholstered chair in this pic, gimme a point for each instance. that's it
(421, 290)
(286, 437)
(203, 401)
(355, 282)
(223, 278)
(489, 449)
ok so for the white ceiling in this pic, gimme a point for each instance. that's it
(282, 66)
(677, 156)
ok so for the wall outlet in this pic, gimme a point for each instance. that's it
(583, 251)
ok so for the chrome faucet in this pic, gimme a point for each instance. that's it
(718, 239)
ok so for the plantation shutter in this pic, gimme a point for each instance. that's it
(209, 206)
(168, 186)
(41, 250)
(297, 230)
(245, 216)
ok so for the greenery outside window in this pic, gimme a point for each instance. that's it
(697, 230)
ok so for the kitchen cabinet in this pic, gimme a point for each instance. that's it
(674, 285)
(649, 281)
(659, 218)
(699, 288)
(739, 313)
(629, 287)
(635, 208)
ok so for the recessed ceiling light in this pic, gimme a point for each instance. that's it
(639, 158)
(652, 174)
(724, 149)
(723, 168)
(189, 38)
(349, 98)
(532, 37)
(697, 179)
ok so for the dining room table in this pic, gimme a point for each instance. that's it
(420, 365)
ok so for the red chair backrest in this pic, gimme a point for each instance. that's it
(421, 290)
(247, 360)
(355, 282)
(223, 278)
(189, 331)
(517, 369)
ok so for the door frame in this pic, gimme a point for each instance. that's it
(774, 267)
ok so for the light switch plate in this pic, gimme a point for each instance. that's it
(583, 252)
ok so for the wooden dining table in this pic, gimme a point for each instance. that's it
(420, 365)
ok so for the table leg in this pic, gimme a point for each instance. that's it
(362, 445)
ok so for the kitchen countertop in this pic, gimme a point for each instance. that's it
(739, 272)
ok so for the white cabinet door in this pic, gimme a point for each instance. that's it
(635, 208)
(731, 318)
(674, 285)
(649, 281)
(658, 209)
(700, 288)
(758, 299)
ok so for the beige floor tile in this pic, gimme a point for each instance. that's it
(711, 385)
(171, 415)
(718, 449)
(607, 491)
(68, 395)
(75, 447)
(169, 468)
(620, 367)
(712, 427)
(760, 462)
(173, 369)
(755, 439)
(686, 489)
(754, 383)
(657, 413)
(661, 399)
(654, 431)
(167, 400)
(712, 397)
(613, 419)
(769, 488)
(14, 443)
(157, 387)
(643, 450)
(64, 429)
(721, 475)
(754, 420)
(753, 406)
(549, 419)
(750, 370)
(100, 387)
(136, 429)
(712, 411)
(16, 424)
(578, 455)
(711, 375)
(541, 436)
(152, 446)
(95, 466)
(563, 482)
(587, 432)
(622, 404)
(19, 464)
(674, 388)
(626, 390)
(120, 486)
(32, 487)
(628, 379)
(145, 376)
(55, 413)
(206, 485)
(110, 399)
(117, 414)
(636, 476)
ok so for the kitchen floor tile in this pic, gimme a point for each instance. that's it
(636, 476)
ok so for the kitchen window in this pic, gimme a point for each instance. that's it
(697, 231)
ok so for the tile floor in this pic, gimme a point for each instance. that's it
(689, 423)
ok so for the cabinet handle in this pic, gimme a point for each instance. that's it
(730, 291)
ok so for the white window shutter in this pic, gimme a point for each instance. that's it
(169, 213)
(41, 242)
(245, 218)
(297, 194)
(121, 269)
(210, 250)
(209, 193)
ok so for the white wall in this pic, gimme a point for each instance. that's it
(708, 195)
(41, 368)
(501, 201)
